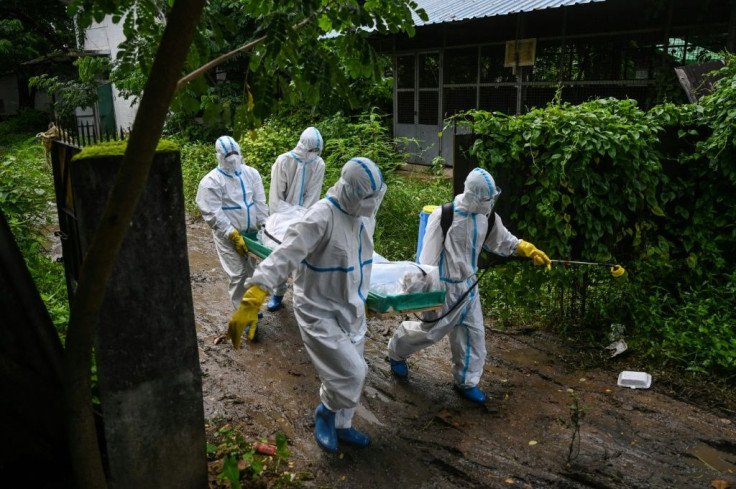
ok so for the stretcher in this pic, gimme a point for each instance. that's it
(379, 306)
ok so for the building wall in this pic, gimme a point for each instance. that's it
(9, 102)
(105, 37)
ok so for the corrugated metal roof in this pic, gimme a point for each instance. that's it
(441, 11)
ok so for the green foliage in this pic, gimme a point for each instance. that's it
(580, 176)
(277, 135)
(694, 326)
(397, 224)
(74, 91)
(15, 129)
(26, 188)
(325, 64)
(241, 463)
(32, 29)
(719, 110)
(604, 181)
(197, 160)
(367, 137)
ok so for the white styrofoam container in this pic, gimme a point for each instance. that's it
(634, 380)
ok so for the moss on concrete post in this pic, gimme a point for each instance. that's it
(148, 370)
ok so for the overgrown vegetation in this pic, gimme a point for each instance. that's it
(27, 200)
(607, 182)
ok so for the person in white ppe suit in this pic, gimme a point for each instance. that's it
(232, 201)
(456, 255)
(331, 252)
(296, 179)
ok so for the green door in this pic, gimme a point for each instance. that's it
(106, 109)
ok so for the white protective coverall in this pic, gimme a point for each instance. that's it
(331, 250)
(457, 259)
(232, 197)
(297, 176)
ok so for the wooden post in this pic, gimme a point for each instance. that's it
(150, 381)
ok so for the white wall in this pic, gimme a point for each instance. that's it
(105, 37)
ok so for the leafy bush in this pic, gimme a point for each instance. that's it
(25, 189)
(27, 121)
(606, 182)
(397, 225)
(694, 327)
(368, 137)
(197, 159)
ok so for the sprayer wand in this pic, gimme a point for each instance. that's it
(616, 270)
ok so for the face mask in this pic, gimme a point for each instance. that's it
(229, 163)
(369, 205)
(485, 206)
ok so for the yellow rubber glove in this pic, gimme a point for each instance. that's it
(246, 315)
(528, 250)
(239, 242)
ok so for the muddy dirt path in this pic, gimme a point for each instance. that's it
(425, 436)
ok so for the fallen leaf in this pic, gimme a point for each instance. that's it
(509, 481)
(720, 484)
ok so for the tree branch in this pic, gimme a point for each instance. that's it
(221, 59)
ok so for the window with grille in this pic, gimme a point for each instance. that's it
(458, 99)
(405, 107)
(461, 66)
(405, 71)
(428, 105)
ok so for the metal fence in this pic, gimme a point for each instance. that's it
(86, 134)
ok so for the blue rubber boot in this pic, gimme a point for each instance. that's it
(400, 368)
(275, 303)
(324, 429)
(351, 436)
(471, 393)
(258, 329)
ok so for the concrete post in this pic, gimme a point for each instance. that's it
(149, 378)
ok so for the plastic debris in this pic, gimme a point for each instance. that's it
(617, 337)
(617, 347)
(634, 380)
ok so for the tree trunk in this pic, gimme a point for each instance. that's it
(97, 266)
